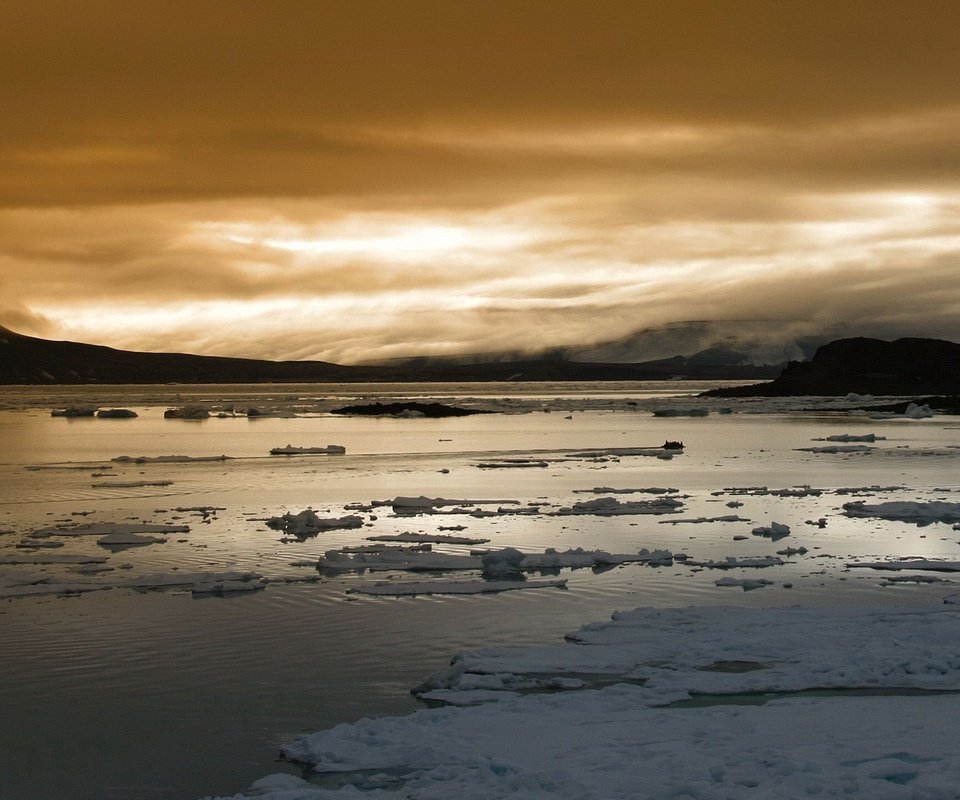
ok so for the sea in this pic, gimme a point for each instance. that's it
(169, 694)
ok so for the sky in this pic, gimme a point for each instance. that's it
(369, 179)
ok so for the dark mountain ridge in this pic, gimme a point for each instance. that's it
(29, 360)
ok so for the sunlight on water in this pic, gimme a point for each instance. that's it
(92, 687)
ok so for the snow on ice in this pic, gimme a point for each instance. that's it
(613, 717)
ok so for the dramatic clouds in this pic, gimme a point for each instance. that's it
(361, 179)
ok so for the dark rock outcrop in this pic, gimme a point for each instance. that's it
(906, 367)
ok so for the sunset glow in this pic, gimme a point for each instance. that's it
(312, 182)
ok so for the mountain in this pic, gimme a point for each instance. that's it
(727, 343)
(751, 341)
(910, 367)
(28, 360)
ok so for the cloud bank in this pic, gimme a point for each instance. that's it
(357, 180)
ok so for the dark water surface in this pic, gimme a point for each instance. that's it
(121, 695)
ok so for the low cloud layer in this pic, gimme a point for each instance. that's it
(363, 180)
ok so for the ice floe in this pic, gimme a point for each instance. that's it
(514, 463)
(733, 562)
(126, 539)
(402, 589)
(747, 584)
(621, 452)
(615, 726)
(838, 448)
(52, 558)
(129, 484)
(328, 450)
(410, 506)
(187, 412)
(912, 411)
(108, 528)
(172, 459)
(608, 490)
(497, 562)
(200, 582)
(74, 411)
(933, 565)
(308, 523)
(116, 413)
(612, 507)
(774, 531)
(435, 538)
(853, 437)
(921, 513)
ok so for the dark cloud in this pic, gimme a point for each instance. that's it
(107, 102)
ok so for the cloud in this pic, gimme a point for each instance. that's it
(353, 179)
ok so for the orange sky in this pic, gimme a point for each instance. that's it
(358, 179)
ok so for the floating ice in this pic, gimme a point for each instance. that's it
(619, 742)
(74, 411)
(108, 528)
(307, 523)
(775, 530)
(187, 412)
(507, 560)
(202, 582)
(732, 562)
(608, 490)
(700, 520)
(912, 411)
(436, 538)
(618, 452)
(514, 463)
(290, 450)
(910, 563)
(611, 506)
(409, 506)
(398, 589)
(837, 448)
(129, 484)
(681, 412)
(747, 584)
(174, 459)
(126, 539)
(116, 413)
(853, 437)
(52, 558)
(906, 511)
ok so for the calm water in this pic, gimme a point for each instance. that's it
(119, 694)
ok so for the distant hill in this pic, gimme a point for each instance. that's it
(726, 343)
(910, 367)
(29, 360)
